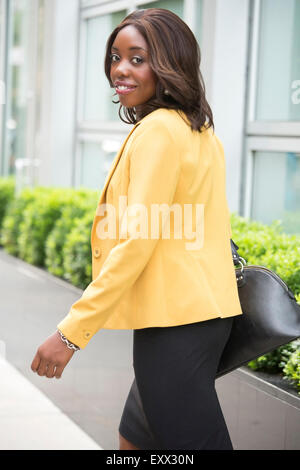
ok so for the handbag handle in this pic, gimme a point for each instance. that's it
(237, 259)
(235, 255)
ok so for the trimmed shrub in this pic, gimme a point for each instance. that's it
(268, 246)
(77, 254)
(13, 218)
(39, 218)
(79, 207)
(7, 190)
(274, 361)
(292, 369)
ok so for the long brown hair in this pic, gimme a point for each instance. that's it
(174, 56)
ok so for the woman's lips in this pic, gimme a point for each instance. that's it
(124, 91)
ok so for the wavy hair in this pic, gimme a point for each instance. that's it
(174, 57)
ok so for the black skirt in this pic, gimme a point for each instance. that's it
(172, 403)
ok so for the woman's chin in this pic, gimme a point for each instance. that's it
(127, 103)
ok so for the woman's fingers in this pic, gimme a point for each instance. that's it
(59, 371)
(50, 371)
(36, 362)
(43, 366)
(42, 369)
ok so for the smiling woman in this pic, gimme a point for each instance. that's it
(179, 306)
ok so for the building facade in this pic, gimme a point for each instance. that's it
(58, 125)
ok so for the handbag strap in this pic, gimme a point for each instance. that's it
(235, 255)
(238, 260)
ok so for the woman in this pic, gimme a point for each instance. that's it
(170, 279)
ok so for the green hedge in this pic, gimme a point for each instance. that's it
(51, 227)
(291, 369)
(77, 252)
(12, 221)
(81, 205)
(7, 190)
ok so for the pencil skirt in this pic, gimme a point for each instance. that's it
(172, 403)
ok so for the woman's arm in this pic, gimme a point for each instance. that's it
(154, 173)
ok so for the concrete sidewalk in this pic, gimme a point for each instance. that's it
(94, 386)
(30, 421)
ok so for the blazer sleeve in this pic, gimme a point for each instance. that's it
(154, 173)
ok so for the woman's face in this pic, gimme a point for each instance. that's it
(130, 67)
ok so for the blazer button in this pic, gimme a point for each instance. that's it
(97, 252)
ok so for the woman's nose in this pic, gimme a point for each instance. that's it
(122, 68)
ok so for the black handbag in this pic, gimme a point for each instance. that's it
(270, 318)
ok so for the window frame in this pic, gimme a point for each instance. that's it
(263, 144)
(3, 66)
(277, 136)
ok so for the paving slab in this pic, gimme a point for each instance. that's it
(31, 421)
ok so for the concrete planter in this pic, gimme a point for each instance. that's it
(262, 411)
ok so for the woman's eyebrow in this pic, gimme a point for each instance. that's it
(130, 48)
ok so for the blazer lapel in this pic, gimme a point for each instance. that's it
(115, 162)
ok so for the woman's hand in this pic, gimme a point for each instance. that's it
(52, 357)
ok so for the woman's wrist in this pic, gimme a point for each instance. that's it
(68, 343)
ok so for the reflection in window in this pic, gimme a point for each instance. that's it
(96, 161)
(98, 95)
(23, 79)
(199, 13)
(17, 78)
(276, 189)
(278, 60)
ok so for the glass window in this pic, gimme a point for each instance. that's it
(276, 189)
(98, 95)
(198, 27)
(2, 37)
(17, 82)
(176, 6)
(95, 162)
(23, 80)
(278, 60)
(2, 78)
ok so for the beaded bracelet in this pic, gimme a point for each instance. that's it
(68, 343)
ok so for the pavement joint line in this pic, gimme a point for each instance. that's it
(21, 264)
(30, 274)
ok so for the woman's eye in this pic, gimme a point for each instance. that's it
(112, 57)
(139, 59)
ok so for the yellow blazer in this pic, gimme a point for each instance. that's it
(146, 280)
